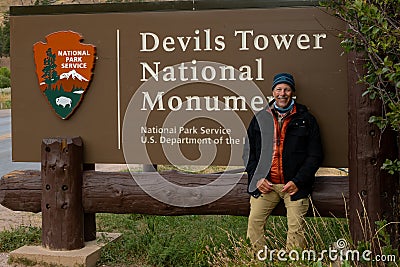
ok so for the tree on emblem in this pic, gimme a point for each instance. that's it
(50, 74)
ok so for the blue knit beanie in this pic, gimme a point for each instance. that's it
(284, 78)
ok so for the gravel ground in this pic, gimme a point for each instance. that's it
(3, 259)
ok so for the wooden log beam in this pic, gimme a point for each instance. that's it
(21, 191)
(117, 192)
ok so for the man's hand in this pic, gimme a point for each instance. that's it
(290, 188)
(264, 186)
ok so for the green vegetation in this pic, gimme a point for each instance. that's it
(167, 241)
(44, 2)
(321, 233)
(17, 237)
(5, 77)
(5, 35)
(195, 169)
(5, 82)
(5, 100)
(202, 240)
(374, 31)
(196, 240)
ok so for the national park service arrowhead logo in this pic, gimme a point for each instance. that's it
(64, 69)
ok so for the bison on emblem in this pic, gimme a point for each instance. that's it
(63, 101)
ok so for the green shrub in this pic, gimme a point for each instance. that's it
(4, 71)
(6, 104)
(4, 82)
(373, 30)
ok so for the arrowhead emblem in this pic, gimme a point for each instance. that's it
(64, 70)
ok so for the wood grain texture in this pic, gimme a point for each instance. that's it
(61, 201)
(117, 192)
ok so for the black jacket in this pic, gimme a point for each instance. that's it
(302, 150)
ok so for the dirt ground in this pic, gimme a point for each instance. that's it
(5, 62)
(10, 219)
(4, 259)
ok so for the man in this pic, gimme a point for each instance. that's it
(282, 154)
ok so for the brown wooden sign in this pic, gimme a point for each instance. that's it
(180, 86)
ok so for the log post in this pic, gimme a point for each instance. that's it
(372, 190)
(89, 218)
(62, 210)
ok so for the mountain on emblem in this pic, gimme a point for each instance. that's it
(64, 69)
(74, 75)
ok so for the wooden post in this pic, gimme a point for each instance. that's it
(372, 191)
(89, 218)
(62, 210)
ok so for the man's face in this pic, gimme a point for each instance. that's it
(283, 95)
